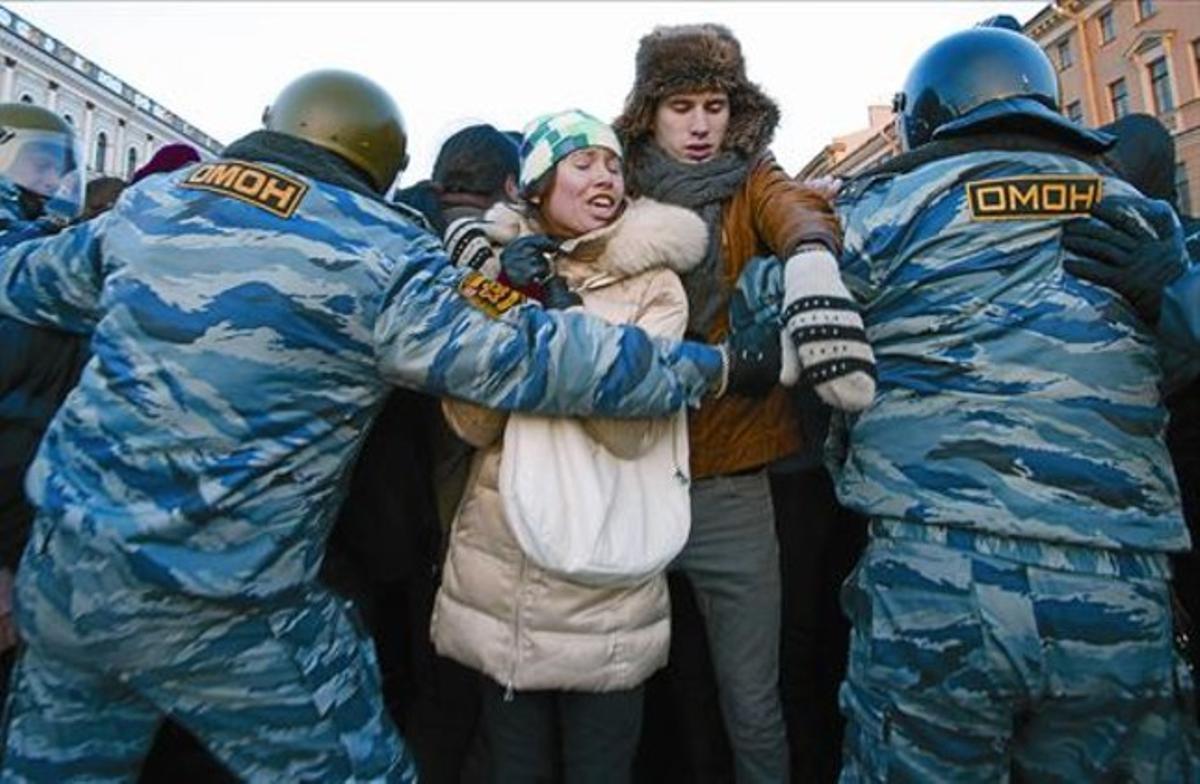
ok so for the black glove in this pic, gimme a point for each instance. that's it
(524, 260)
(557, 296)
(1132, 245)
(755, 359)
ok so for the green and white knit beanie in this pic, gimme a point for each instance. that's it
(552, 137)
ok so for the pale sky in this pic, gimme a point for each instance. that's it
(447, 64)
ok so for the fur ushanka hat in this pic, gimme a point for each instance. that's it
(695, 58)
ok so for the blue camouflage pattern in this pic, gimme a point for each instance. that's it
(186, 487)
(1179, 322)
(239, 357)
(277, 692)
(1011, 615)
(969, 668)
(1014, 400)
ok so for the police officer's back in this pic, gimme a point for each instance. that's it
(1010, 614)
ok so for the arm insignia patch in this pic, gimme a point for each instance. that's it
(493, 298)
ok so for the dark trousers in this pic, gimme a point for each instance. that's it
(1183, 438)
(590, 737)
(819, 543)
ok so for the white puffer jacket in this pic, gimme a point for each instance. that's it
(496, 611)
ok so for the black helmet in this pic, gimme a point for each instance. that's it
(967, 70)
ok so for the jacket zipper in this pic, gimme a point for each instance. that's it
(680, 475)
(512, 673)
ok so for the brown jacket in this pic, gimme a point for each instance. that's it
(498, 612)
(771, 214)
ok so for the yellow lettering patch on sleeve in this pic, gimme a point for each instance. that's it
(1037, 197)
(275, 192)
(493, 298)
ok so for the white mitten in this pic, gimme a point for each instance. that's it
(823, 337)
(467, 244)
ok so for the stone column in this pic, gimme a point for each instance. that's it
(89, 150)
(10, 77)
(122, 157)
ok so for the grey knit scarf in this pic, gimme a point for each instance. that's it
(703, 188)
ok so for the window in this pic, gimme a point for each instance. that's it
(1108, 28)
(1118, 98)
(1160, 86)
(68, 119)
(1075, 112)
(1146, 9)
(26, 98)
(101, 152)
(1063, 50)
(1181, 189)
(1196, 56)
(130, 163)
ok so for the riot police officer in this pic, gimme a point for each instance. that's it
(247, 316)
(1011, 614)
(40, 189)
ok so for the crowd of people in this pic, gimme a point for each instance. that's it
(608, 452)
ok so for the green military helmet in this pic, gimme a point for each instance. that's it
(347, 114)
(39, 155)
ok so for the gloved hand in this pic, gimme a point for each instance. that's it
(753, 362)
(1132, 245)
(556, 295)
(525, 262)
(823, 336)
(826, 186)
(467, 244)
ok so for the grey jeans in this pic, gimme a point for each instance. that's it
(732, 561)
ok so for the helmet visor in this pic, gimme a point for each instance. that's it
(45, 163)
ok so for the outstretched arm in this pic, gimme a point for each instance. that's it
(457, 334)
(53, 281)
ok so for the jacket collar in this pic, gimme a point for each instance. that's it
(648, 235)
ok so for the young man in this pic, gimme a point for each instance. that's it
(247, 316)
(696, 132)
(1011, 613)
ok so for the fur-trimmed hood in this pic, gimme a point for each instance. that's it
(647, 235)
(694, 58)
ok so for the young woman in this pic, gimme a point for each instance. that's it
(566, 661)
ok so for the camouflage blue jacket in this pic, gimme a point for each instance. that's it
(1014, 400)
(38, 368)
(1179, 322)
(246, 322)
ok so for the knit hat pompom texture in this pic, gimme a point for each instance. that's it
(550, 138)
(697, 58)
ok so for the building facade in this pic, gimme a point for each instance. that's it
(1116, 57)
(119, 127)
(856, 152)
(1113, 57)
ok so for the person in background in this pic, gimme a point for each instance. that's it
(387, 547)
(166, 159)
(1129, 253)
(41, 189)
(101, 194)
(565, 660)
